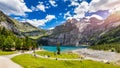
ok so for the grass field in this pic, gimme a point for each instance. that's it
(6, 52)
(54, 55)
(28, 61)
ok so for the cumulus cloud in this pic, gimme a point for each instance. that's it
(81, 10)
(41, 7)
(50, 17)
(41, 22)
(16, 7)
(51, 28)
(111, 5)
(53, 3)
(74, 3)
(34, 8)
(36, 22)
(94, 6)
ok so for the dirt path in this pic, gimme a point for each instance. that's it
(7, 63)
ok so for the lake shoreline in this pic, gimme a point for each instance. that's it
(62, 48)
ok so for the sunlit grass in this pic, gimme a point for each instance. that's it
(35, 37)
(6, 52)
(54, 55)
(28, 61)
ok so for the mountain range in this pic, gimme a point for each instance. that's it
(86, 31)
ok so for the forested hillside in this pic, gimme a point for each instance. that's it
(11, 38)
(9, 41)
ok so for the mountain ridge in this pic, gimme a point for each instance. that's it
(86, 31)
(19, 28)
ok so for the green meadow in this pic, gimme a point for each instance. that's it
(54, 55)
(6, 52)
(29, 61)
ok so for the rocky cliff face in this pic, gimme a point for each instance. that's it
(8, 23)
(19, 28)
(28, 29)
(85, 31)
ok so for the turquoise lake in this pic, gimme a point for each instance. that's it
(62, 48)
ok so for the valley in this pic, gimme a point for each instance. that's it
(60, 34)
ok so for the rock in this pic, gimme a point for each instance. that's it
(85, 31)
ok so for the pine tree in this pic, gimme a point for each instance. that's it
(58, 48)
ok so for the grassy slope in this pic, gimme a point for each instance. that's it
(6, 52)
(110, 37)
(111, 46)
(108, 41)
(24, 27)
(28, 61)
(3, 18)
(63, 55)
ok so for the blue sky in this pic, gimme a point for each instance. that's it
(47, 14)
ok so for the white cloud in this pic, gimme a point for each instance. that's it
(97, 16)
(111, 5)
(81, 10)
(41, 22)
(34, 8)
(17, 18)
(51, 28)
(50, 17)
(67, 14)
(69, 18)
(16, 7)
(74, 3)
(115, 9)
(95, 5)
(36, 22)
(53, 3)
(41, 7)
(47, 7)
